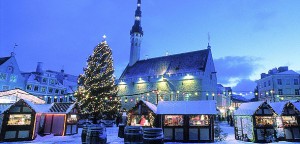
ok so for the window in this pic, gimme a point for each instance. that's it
(173, 120)
(264, 121)
(36, 88)
(199, 120)
(13, 78)
(19, 119)
(72, 119)
(62, 92)
(52, 81)
(280, 91)
(289, 121)
(5, 87)
(265, 85)
(2, 76)
(296, 91)
(269, 83)
(288, 82)
(140, 120)
(10, 69)
(279, 81)
(44, 80)
(50, 90)
(29, 87)
(43, 89)
(56, 91)
(296, 82)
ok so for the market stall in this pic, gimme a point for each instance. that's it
(187, 121)
(17, 121)
(142, 114)
(255, 121)
(60, 119)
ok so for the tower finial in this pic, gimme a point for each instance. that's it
(104, 38)
(208, 38)
(137, 28)
(13, 52)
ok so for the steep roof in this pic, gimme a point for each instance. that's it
(178, 63)
(297, 105)
(187, 107)
(150, 105)
(238, 98)
(3, 60)
(248, 108)
(278, 107)
(4, 107)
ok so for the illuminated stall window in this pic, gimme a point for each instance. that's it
(140, 120)
(173, 120)
(289, 121)
(72, 119)
(19, 119)
(264, 121)
(199, 120)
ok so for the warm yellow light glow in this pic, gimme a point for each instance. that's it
(64, 125)
(222, 110)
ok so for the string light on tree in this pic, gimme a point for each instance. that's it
(97, 84)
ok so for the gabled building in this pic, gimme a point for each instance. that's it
(10, 74)
(279, 85)
(181, 77)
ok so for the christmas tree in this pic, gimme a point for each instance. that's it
(97, 92)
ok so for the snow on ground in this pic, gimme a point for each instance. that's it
(112, 137)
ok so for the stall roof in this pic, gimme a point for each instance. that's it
(151, 106)
(248, 108)
(187, 107)
(278, 107)
(22, 95)
(297, 105)
(4, 107)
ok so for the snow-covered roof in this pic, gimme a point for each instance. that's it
(297, 105)
(172, 64)
(238, 98)
(151, 106)
(22, 95)
(248, 108)
(187, 107)
(289, 72)
(278, 107)
(43, 108)
(4, 107)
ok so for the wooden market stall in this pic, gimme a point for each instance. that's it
(17, 121)
(187, 121)
(142, 114)
(255, 121)
(59, 119)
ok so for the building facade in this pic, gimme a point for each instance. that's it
(10, 74)
(186, 76)
(279, 85)
(48, 85)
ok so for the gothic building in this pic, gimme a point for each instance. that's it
(181, 77)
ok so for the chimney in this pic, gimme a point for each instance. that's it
(39, 67)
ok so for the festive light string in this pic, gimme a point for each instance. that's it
(96, 85)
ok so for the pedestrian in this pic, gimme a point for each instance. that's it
(231, 120)
(118, 120)
(228, 119)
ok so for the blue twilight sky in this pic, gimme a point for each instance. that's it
(247, 37)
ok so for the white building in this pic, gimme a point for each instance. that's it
(279, 85)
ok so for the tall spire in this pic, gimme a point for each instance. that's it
(137, 28)
(136, 34)
(208, 38)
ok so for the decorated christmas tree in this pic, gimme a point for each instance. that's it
(97, 92)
